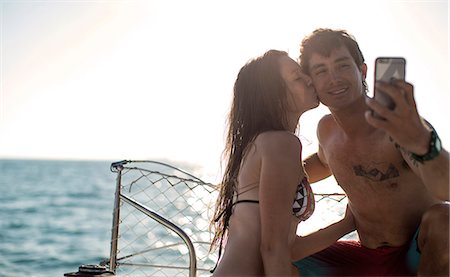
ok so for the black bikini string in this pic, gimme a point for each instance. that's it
(227, 213)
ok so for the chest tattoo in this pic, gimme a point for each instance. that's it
(374, 174)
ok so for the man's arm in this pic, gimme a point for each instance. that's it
(412, 135)
(434, 173)
(315, 168)
(316, 165)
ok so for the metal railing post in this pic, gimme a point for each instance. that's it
(115, 225)
(171, 226)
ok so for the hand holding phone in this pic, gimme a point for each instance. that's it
(386, 69)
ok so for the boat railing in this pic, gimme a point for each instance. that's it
(161, 220)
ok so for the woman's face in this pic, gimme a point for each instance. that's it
(300, 91)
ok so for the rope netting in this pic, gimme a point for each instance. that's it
(147, 248)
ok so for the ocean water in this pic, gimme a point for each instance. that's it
(54, 216)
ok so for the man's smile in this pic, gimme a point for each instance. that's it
(337, 91)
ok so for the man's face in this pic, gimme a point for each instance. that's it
(337, 78)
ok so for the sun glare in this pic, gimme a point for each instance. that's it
(153, 79)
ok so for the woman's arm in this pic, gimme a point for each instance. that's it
(280, 159)
(321, 239)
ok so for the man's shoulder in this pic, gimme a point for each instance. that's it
(326, 120)
(326, 126)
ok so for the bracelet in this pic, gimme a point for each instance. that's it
(434, 148)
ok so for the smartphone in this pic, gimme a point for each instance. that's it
(387, 68)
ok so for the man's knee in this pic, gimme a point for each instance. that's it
(435, 225)
(434, 241)
(437, 216)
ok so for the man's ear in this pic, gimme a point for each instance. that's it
(364, 70)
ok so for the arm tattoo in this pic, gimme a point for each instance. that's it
(409, 154)
(413, 161)
(404, 151)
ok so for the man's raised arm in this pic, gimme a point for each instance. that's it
(418, 141)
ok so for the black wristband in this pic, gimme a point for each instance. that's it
(434, 148)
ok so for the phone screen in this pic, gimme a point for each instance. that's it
(388, 68)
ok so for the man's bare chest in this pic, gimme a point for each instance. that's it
(374, 162)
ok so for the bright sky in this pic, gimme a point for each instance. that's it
(153, 79)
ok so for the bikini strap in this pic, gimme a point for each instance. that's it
(246, 201)
(246, 188)
(228, 209)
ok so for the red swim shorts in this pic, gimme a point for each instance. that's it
(350, 258)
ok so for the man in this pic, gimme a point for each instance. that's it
(391, 167)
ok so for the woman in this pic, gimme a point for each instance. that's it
(264, 193)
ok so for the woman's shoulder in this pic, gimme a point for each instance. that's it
(276, 134)
(277, 142)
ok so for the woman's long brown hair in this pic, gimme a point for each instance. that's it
(259, 105)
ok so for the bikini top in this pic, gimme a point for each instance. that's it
(303, 205)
